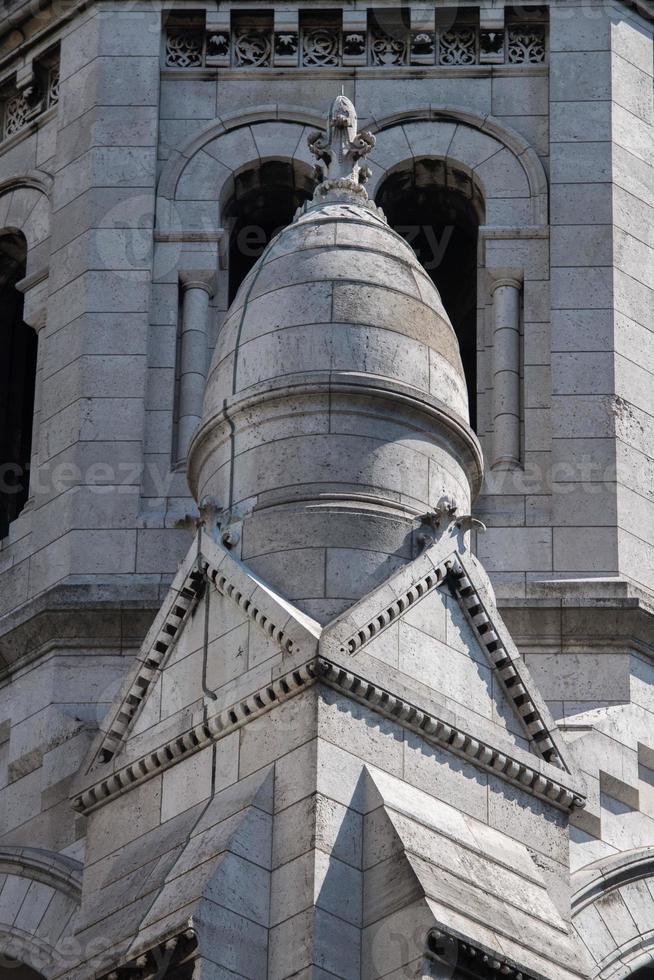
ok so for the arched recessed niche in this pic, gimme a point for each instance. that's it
(257, 203)
(17, 382)
(438, 208)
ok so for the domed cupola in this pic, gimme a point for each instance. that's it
(336, 411)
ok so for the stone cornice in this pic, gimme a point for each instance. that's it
(483, 755)
(271, 629)
(546, 777)
(26, 632)
(472, 954)
(515, 769)
(229, 719)
(507, 668)
(153, 659)
(18, 13)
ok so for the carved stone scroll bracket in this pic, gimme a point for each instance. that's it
(445, 518)
(221, 524)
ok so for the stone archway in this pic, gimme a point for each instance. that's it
(438, 207)
(191, 224)
(501, 162)
(613, 913)
(39, 897)
(259, 200)
(506, 167)
(24, 257)
(25, 208)
(204, 169)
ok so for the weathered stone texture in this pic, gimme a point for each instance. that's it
(324, 743)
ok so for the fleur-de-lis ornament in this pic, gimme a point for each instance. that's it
(341, 150)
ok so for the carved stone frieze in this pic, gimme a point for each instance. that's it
(184, 49)
(526, 45)
(36, 89)
(16, 114)
(327, 46)
(458, 46)
(388, 49)
(53, 86)
(252, 49)
(321, 46)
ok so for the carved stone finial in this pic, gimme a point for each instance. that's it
(340, 152)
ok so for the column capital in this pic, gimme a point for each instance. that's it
(198, 279)
(513, 281)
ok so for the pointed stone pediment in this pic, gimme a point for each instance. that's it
(222, 638)
(432, 870)
(423, 666)
(434, 626)
(427, 648)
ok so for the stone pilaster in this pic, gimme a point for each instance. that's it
(95, 343)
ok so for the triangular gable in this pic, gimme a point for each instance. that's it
(181, 599)
(443, 600)
(220, 669)
(243, 612)
(477, 602)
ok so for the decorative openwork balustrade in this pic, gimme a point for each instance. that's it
(315, 46)
(21, 105)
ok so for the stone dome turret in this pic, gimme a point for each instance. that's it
(336, 409)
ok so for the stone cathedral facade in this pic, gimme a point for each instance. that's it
(326, 490)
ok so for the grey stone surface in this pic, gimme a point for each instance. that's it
(336, 418)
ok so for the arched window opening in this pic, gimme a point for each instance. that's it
(645, 973)
(13, 970)
(17, 381)
(262, 201)
(438, 210)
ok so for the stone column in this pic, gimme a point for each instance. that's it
(197, 289)
(506, 373)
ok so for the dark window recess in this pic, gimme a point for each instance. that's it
(438, 211)
(13, 970)
(261, 203)
(17, 376)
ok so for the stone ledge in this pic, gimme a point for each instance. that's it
(68, 613)
(542, 779)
